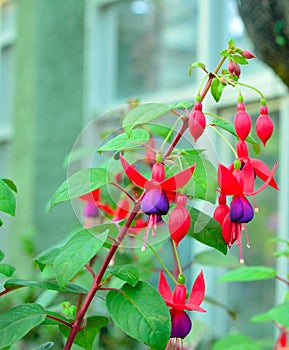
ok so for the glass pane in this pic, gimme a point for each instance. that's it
(156, 45)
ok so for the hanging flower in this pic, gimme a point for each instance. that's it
(197, 121)
(158, 190)
(242, 122)
(264, 125)
(177, 301)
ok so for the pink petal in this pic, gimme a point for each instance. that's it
(197, 294)
(227, 182)
(92, 196)
(133, 174)
(263, 172)
(178, 180)
(164, 289)
(248, 176)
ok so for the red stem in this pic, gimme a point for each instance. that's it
(68, 324)
(97, 280)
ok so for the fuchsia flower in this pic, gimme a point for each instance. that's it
(242, 122)
(181, 322)
(197, 121)
(179, 220)
(239, 184)
(264, 125)
(158, 190)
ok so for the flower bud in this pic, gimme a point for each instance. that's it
(264, 125)
(247, 54)
(242, 122)
(197, 121)
(179, 223)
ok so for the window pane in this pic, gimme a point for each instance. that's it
(156, 45)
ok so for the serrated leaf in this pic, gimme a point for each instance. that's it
(82, 182)
(15, 283)
(85, 338)
(280, 314)
(196, 65)
(45, 346)
(235, 342)
(230, 128)
(141, 312)
(76, 253)
(249, 273)
(7, 199)
(18, 321)
(47, 257)
(7, 270)
(143, 114)
(11, 184)
(214, 258)
(206, 230)
(123, 141)
(217, 89)
(128, 273)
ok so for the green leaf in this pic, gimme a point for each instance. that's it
(85, 338)
(128, 273)
(123, 141)
(230, 128)
(249, 273)
(235, 342)
(1, 255)
(159, 130)
(18, 321)
(141, 312)
(45, 346)
(184, 104)
(76, 253)
(224, 53)
(82, 182)
(7, 269)
(7, 199)
(214, 258)
(11, 184)
(206, 230)
(15, 283)
(231, 43)
(280, 314)
(196, 65)
(47, 257)
(239, 59)
(260, 318)
(143, 114)
(217, 89)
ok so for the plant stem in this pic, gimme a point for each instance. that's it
(97, 280)
(60, 320)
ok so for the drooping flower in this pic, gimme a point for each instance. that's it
(177, 301)
(158, 190)
(242, 122)
(233, 183)
(264, 125)
(234, 68)
(221, 210)
(197, 121)
(179, 220)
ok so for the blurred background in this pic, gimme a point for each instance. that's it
(63, 63)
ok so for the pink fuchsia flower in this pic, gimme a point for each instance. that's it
(234, 68)
(197, 121)
(221, 210)
(264, 125)
(247, 54)
(242, 122)
(177, 301)
(282, 341)
(179, 220)
(158, 190)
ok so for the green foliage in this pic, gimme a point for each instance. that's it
(214, 258)
(217, 89)
(128, 273)
(249, 273)
(85, 338)
(206, 230)
(142, 313)
(82, 182)
(76, 253)
(196, 65)
(235, 342)
(45, 346)
(7, 198)
(18, 321)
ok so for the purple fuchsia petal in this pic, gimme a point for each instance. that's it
(90, 210)
(241, 210)
(155, 201)
(181, 324)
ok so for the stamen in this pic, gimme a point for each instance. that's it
(256, 209)
(239, 243)
(150, 224)
(154, 225)
(247, 237)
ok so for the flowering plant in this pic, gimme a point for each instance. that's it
(155, 194)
